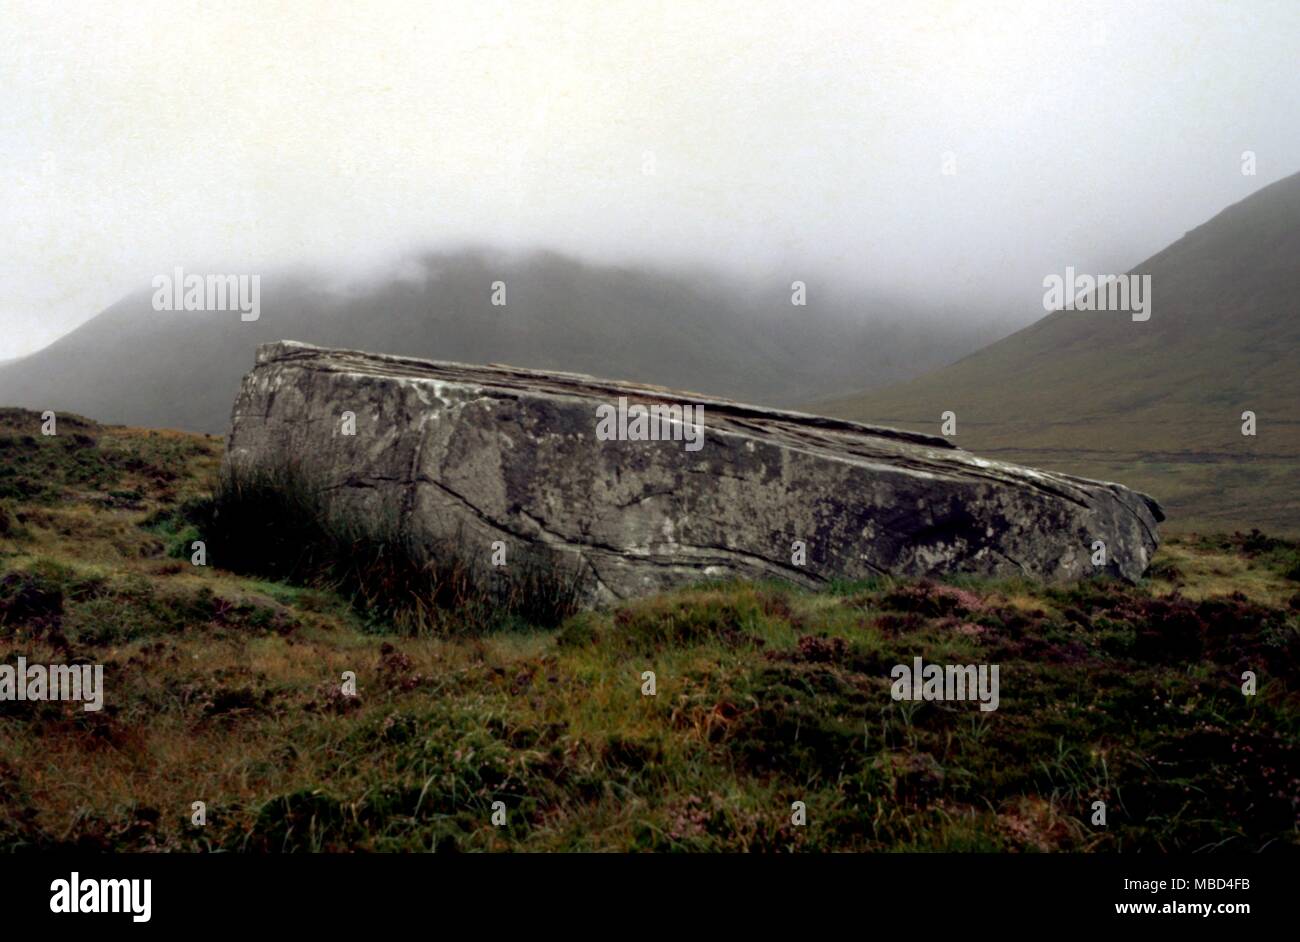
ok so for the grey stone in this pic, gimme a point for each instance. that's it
(499, 453)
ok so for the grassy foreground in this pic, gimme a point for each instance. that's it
(226, 689)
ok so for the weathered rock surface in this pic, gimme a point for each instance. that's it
(499, 453)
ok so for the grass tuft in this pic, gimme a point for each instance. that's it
(279, 525)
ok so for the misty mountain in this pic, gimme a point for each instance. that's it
(696, 331)
(1157, 404)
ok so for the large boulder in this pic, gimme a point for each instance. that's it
(496, 453)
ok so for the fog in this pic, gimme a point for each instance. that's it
(771, 141)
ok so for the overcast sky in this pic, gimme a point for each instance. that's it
(785, 140)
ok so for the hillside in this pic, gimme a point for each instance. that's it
(225, 688)
(1157, 404)
(696, 331)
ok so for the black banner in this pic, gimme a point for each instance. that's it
(924, 891)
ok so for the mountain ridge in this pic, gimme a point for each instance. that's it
(716, 334)
(1158, 404)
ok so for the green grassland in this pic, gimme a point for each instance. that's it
(225, 688)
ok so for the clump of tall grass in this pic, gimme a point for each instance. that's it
(277, 523)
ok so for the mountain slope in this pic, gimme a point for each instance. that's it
(701, 332)
(1156, 405)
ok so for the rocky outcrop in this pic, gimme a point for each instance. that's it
(526, 458)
